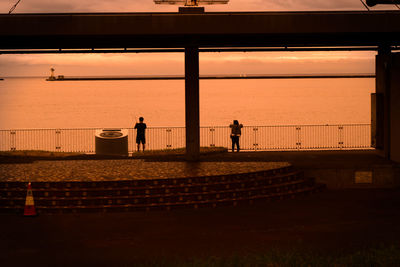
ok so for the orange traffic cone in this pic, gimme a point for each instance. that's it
(29, 204)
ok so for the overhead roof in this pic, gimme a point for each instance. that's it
(218, 29)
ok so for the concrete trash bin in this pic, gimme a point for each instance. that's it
(112, 142)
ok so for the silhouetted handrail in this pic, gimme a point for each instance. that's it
(274, 137)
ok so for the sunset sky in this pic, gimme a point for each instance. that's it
(136, 64)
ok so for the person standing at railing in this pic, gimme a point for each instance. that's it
(140, 133)
(236, 132)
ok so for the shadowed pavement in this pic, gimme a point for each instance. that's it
(329, 222)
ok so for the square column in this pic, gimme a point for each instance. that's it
(395, 108)
(380, 108)
(192, 103)
(386, 105)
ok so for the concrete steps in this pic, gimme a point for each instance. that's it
(158, 194)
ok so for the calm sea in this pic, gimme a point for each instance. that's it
(36, 103)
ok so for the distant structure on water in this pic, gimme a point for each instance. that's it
(53, 78)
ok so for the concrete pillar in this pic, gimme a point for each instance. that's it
(395, 107)
(381, 108)
(192, 103)
(386, 105)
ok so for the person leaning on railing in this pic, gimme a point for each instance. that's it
(140, 135)
(236, 132)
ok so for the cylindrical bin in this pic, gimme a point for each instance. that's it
(112, 142)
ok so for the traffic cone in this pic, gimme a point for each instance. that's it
(29, 204)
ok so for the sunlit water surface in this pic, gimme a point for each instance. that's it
(36, 103)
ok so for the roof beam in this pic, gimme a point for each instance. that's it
(219, 29)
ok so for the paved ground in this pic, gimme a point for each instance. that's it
(307, 159)
(331, 222)
(123, 169)
(152, 167)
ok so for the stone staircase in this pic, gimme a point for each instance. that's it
(159, 194)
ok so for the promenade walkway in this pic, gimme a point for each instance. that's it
(174, 166)
(124, 169)
(92, 168)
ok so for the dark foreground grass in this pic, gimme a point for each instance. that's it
(378, 256)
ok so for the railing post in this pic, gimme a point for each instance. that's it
(58, 140)
(212, 137)
(255, 143)
(13, 141)
(169, 138)
(298, 135)
(340, 136)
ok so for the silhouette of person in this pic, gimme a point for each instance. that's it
(140, 133)
(236, 132)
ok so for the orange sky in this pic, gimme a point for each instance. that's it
(133, 64)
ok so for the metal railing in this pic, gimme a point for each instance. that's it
(279, 138)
